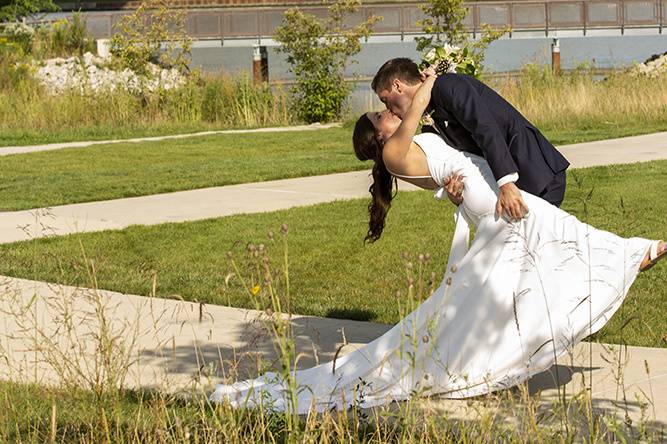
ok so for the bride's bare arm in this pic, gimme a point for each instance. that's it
(396, 147)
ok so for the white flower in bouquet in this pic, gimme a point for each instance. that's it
(450, 49)
(430, 56)
(450, 58)
(426, 119)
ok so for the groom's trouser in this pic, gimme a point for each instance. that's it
(555, 191)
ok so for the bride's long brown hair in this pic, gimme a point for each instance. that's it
(367, 147)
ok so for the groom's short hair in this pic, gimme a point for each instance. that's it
(401, 68)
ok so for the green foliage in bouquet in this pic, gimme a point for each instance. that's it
(444, 24)
(448, 58)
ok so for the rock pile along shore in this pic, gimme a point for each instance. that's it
(91, 73)
(653, 67)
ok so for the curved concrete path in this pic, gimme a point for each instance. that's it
(178, 346)
(10, 150)
(266, 196)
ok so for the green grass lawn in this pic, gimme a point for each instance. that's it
(590, 130)
(331, 272)
(136, 169)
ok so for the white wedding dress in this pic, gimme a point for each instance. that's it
(511, 301)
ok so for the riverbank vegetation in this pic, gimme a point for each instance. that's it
(574, 106)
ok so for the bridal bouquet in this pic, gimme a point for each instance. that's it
(448, 58)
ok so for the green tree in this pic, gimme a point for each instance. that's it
(318, 52)
(154, 32)
(13, 10)
(444, 24)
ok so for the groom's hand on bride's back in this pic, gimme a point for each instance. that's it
(510, 202)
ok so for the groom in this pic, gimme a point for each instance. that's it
(472, 117)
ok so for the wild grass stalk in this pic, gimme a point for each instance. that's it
(412, 421)
(92, 403)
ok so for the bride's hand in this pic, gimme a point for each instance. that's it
(428, 72)
(423, 95)
(454, 187)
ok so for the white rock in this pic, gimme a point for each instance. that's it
(651, 69)
(88, 59)
(88, 74)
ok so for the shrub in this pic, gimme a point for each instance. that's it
(13, 10)
(153, 33)
(12, 71)
(60, 38)
(20, 34)
(63, 38)
(318, 52)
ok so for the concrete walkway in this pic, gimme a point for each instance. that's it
(613, 151)
(9, 150)
(174, 345)
(266, 196)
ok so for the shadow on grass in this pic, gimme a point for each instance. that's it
(355, 315)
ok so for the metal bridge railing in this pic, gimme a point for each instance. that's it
(401, 19)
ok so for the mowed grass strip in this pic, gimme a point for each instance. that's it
(136, 169)
(589, 130)
(331, 272)
(121, 170)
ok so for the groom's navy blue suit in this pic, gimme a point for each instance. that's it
(472, 117)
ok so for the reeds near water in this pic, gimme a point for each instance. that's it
(582, 99)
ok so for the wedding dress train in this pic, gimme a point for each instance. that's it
(511, 301)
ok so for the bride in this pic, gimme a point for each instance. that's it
(514, 299)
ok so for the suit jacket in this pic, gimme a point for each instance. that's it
(472, 117)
